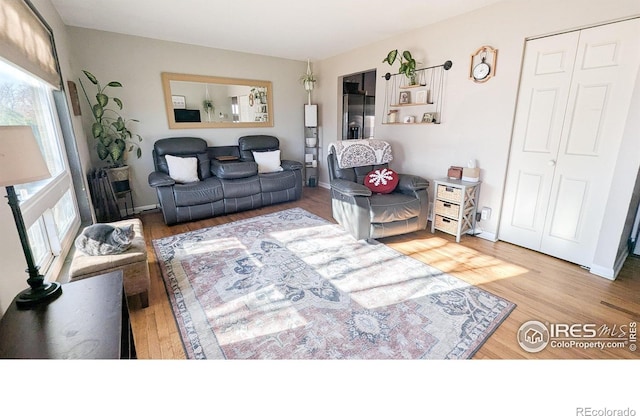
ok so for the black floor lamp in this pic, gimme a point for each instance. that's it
(21, 162)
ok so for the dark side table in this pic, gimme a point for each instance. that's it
(89, 320)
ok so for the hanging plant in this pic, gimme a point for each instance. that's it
(308, 79)
(407, 64)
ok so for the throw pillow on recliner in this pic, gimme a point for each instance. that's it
(268, 161)
(381, 181)
(183, 169)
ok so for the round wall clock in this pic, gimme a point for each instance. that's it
(480, 70)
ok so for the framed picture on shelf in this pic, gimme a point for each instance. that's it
(405, 97)
(428, 117)
(179, 102)
(421, 97)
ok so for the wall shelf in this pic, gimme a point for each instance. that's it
(427, 93)
(409, 105)
(311, 145)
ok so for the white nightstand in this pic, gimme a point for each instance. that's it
(455, 206)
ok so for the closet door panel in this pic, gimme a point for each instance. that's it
(542, 100)
(607, 62)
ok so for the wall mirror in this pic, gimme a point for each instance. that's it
(199, 101)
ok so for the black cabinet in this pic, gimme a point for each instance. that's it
(90, 320)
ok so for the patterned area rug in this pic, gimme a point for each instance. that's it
(291, 285)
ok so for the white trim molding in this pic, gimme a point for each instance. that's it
(610, 273)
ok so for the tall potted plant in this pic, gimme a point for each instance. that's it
(407, 64)
(109, 129)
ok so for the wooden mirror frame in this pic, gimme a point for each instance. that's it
(167, 77)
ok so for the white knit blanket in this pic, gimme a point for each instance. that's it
(353, 153)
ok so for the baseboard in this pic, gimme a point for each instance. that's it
(610, 273)
(324, 185)
(138, 210)
(606, 272)
(486, 235)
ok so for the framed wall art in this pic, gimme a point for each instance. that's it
(179, 102)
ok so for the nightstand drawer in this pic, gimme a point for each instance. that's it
(447, 209)
(446, 224)
(450, 193)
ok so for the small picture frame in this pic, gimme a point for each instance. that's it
(179, 102)
(409, 120)
(421, 97)
(405, 97)
(428, 117)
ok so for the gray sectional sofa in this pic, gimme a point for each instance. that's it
(228, 178)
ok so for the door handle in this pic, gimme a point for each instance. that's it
(551, 162)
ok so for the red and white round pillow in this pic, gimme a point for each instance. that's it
(381, 181)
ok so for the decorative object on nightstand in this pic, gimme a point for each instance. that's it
(472, 172)
(455, 206)
(21, 162)
(455, 172)
(483, 64)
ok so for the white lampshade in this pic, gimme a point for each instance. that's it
(20, 158)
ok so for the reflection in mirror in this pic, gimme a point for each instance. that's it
(197, 101)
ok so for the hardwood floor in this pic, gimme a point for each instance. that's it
(544, 288)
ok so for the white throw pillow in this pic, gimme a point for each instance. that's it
(268, 161)
(183, 169)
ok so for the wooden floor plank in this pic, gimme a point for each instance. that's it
(544, 288)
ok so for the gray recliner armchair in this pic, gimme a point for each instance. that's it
(367, 215)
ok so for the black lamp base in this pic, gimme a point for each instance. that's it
(29, 298)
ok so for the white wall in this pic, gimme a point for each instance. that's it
(612, 247)
(477, 118)
(137, 63)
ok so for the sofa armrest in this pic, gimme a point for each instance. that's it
(350, 188)
(233, 170)
(160, 179)
(411, 183)
(290, 165)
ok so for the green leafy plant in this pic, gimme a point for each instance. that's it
(113, 137)
(407, 63)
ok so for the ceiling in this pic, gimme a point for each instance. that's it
(292, 29)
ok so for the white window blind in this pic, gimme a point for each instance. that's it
(26, 41)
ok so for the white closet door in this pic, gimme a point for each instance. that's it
(569, 187)
(542, 100)
(604, 76)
